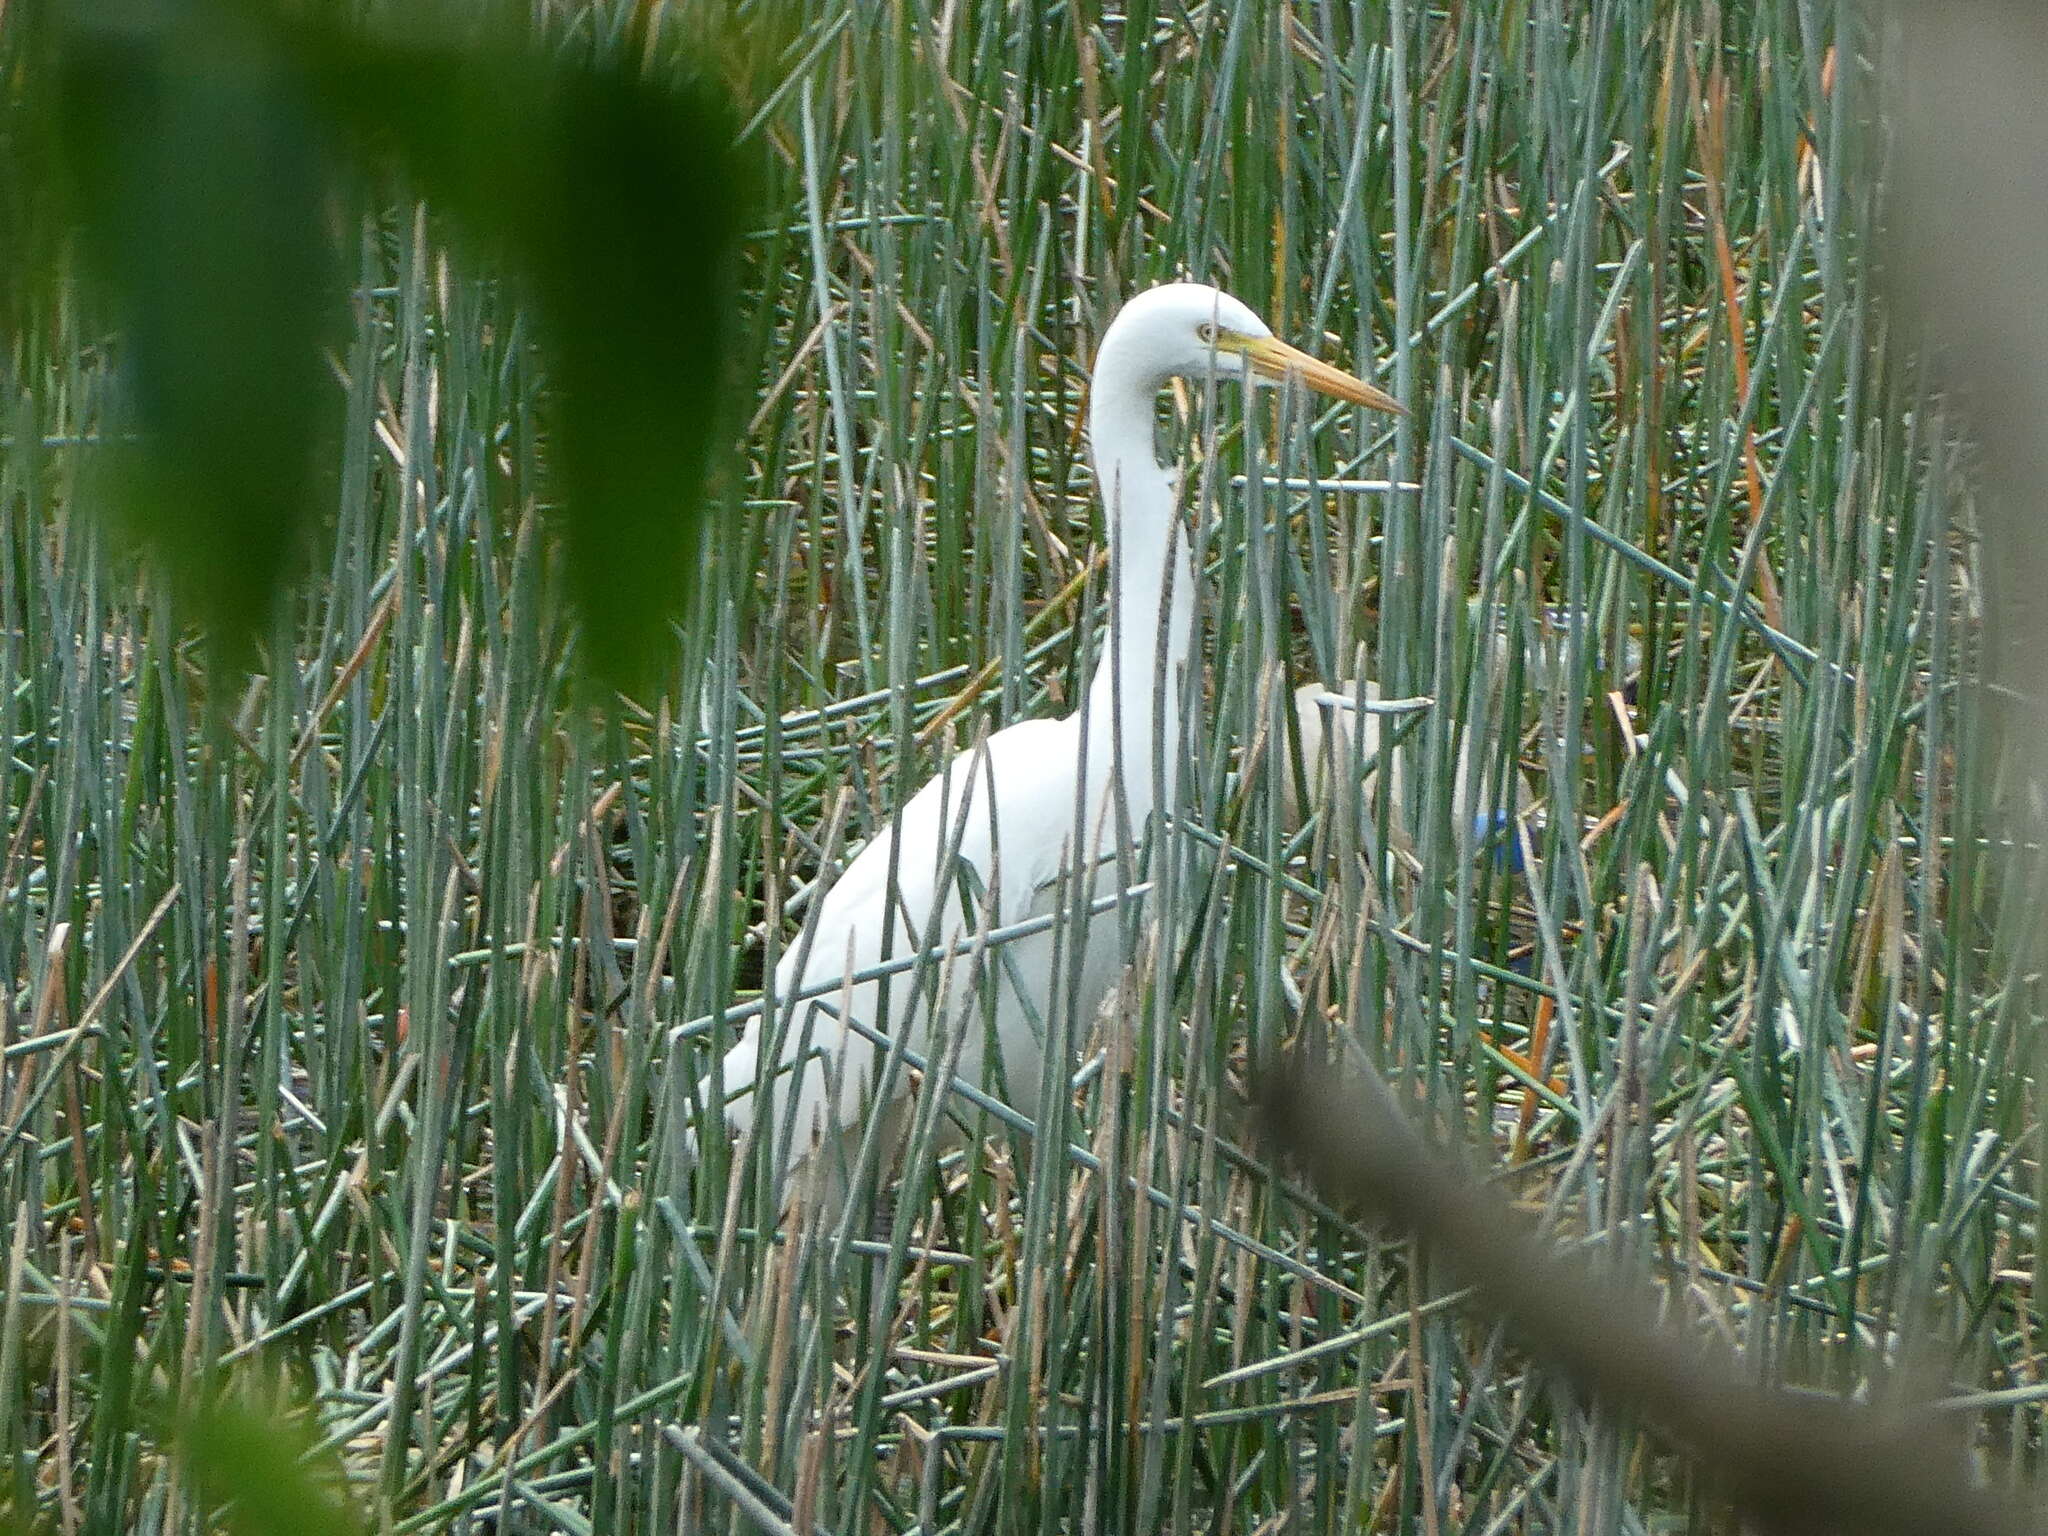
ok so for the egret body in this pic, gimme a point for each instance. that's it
(1018, 808)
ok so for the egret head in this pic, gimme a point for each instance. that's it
(1191, 330)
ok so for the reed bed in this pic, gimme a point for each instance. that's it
(356, 1009)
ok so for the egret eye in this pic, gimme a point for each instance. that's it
(1207, 332)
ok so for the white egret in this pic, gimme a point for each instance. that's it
(1016, 809)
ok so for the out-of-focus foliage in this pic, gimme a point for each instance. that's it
(206, 157)
(193, 169)
(1964, 263)
(259, 1472)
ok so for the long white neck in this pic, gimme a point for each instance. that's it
(1152, 602)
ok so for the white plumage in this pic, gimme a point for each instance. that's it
(1012, 811)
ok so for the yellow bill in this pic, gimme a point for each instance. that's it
(1274, 359)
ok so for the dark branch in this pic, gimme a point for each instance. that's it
(1794, 1462)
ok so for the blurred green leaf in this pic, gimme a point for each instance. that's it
(205, 151)
(31, 241)
(634, 241)
(194, 176)
(619, 203)
(253, 1466)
